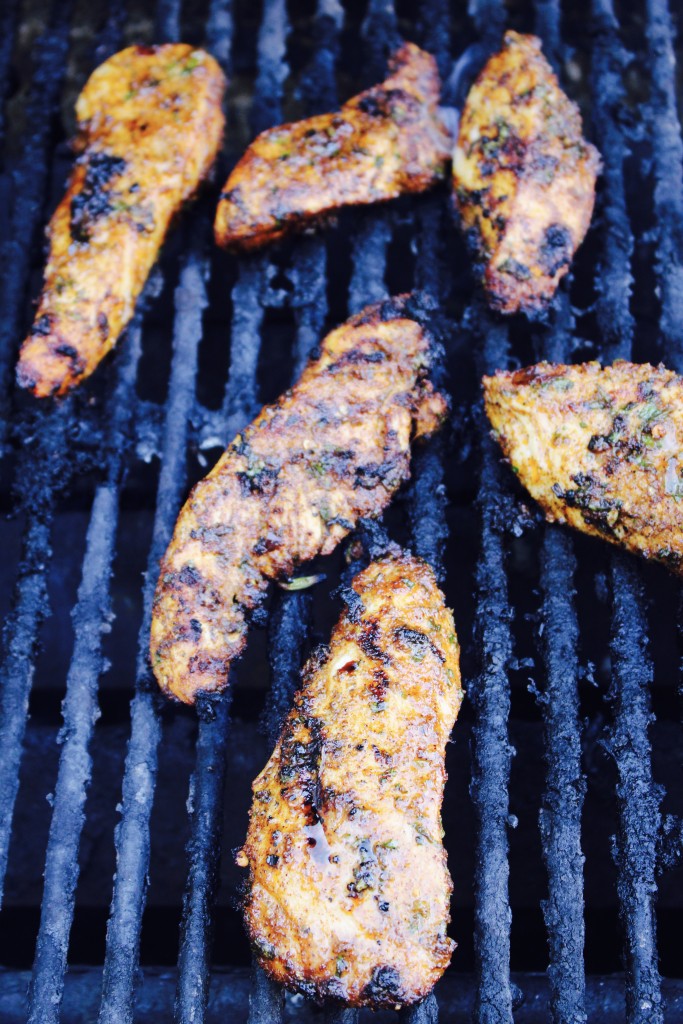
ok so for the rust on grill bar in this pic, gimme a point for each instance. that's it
(589, 809)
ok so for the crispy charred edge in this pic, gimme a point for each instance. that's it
(416, 306)
(410, 57)
(386, 988)
(420, 307)
(536, 374)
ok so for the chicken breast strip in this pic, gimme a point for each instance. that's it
(348, 893)
(332, 450)
(150, 126)
(523, 177)
(383, 143)
(598, 448)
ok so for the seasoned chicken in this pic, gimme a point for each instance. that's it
(349, 891)
(332, 450)
(383, 143)
(150, 125)
(598, 448)
(523, 176)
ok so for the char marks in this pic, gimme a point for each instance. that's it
(150, 125)
(383, 143)
(332, 450)
(523, 177)
(348, 895)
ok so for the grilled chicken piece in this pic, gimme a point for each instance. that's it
(524, 177)
(332, 450)
(598, 448)
(150, 125)
(383, 143)
(349, 891)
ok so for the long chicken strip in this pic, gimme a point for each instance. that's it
(332, 450)
(349, 891)
(150, 125)
(598, 448)
(524, 177)
(383, 143)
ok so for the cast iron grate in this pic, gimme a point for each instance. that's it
(105, 443)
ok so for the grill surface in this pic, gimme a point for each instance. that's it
(213, 338)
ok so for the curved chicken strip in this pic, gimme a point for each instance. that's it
(349, 891)
(600, 449)
(524, 177)
(383, 143)
(332, 450)
(150, 124)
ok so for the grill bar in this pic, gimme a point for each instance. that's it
(614, 280)
(490, 696)
(635, 847)
(667, 152)
(562, 802)
(489, 690)
(205, 801)
(167, 21)
(36, 485)
(90, 617)
(560, 816)
(208, 780)
(132, 834)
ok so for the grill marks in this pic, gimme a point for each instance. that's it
(599, 448)
(348, 892)
(383, 143)
(524, 177)
(95, 198)
(150, 124)
(332, 450)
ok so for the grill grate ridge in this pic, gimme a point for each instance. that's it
(132, 833)
(80, 710)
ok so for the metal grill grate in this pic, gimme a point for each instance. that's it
(92, 447)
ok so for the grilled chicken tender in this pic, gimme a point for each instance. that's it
(598, 448)
(524, 177)
(332, 450)
(348, 893)
(384, 143)
(150, 125)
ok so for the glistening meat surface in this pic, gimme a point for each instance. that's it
(348, 895)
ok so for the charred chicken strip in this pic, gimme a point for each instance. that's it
(332, 450)
(150, 125)
(598, 448)
(383, 143)
(348, 892)
(524, 177)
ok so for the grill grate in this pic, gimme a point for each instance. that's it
(42, 475)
